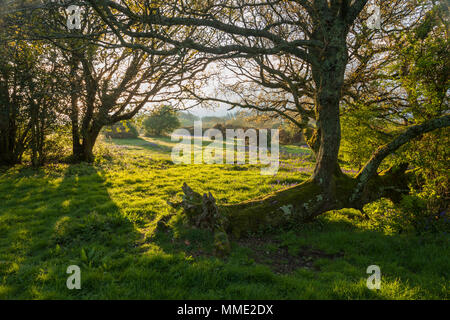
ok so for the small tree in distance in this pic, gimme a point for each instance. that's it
(161, 121)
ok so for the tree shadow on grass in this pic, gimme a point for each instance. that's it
(50, 224)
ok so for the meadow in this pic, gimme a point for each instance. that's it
(104, 218)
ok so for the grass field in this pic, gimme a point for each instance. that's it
(102, 217)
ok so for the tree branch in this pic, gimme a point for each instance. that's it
(370, 169)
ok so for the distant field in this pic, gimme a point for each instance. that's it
(102, 217)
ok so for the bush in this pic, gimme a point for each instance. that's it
(411, 215)
(161, 121)
(57, 147)
(425, 209)
(359, 139)
(121, 130)
(430, 157)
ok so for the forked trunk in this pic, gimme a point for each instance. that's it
(84, 151)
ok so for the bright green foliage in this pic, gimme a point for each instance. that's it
(410, 216)
(420, 70)
(431, 157)
(161, 121)
(362, 133)
(424, 68)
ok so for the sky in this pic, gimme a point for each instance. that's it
(203, 112)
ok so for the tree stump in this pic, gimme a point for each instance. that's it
(202, 212)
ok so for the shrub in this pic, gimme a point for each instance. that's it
(122, 130)
(161, 121)
(411, 215)
(57, 146)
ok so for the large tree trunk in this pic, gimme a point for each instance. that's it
(7, 141)
(84, 134)
(7, 156)
(88, 146)
(76, 144)
(34, 134)
(12, 142)
(77, 149)
(328, 71)
(84, 151)
(8, 129)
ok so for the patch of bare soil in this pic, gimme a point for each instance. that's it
(281, 261)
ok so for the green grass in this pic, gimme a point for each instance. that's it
(102, 217)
